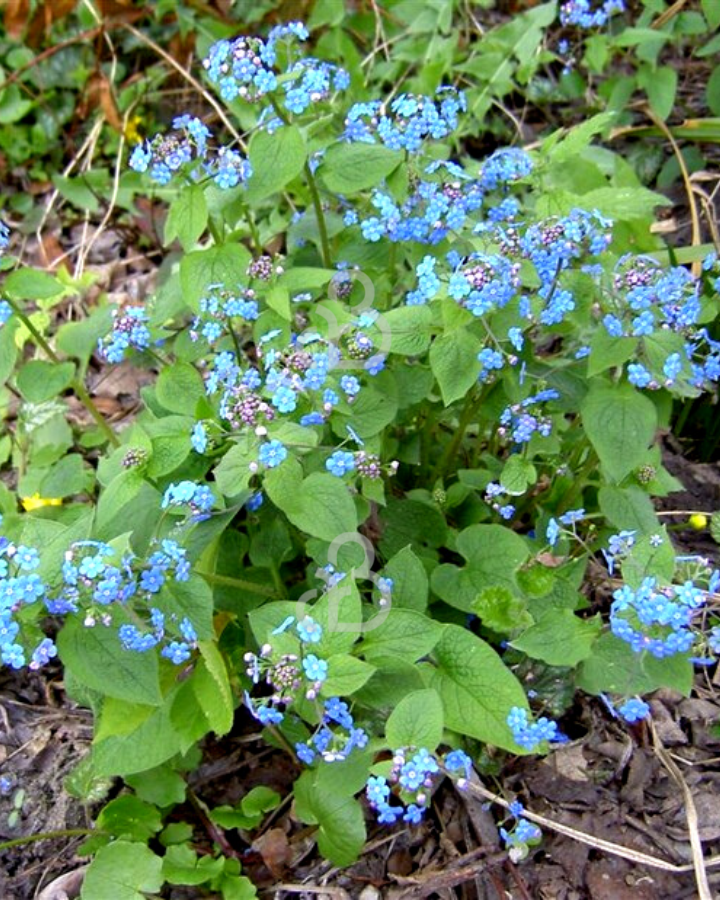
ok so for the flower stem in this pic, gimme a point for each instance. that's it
(48, 836)
(319, 215)
(77, 385)
(228, 581)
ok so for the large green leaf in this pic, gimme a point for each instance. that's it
(319, 505)
(493, 553)
(123, 871)
(187, 217)
(225, 265)
(453, 359)
(559, 638)
(99, 661)
(349, 168)
(476, 687)
(276, 159)
(417, 721)
(341, 831)
(620, 423)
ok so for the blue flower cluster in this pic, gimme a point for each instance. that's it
(129, 331)
(5, 312)
(219, 308)
(335, 737)
(300, 675)
(409, 120)
(436, 206)
(247, 67)
(530, 735)
(522, 835)
(589, 13)
(197, 497)
(98, 586)
(657, 619)
(165, 155)
(505, 166)
(522, 420)
(493, 492)
(632, 711)
(645, 300)
(4, 237)
(410, 783)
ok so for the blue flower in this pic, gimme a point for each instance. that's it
(199, 439)
(634, 710)
(309, 630)
(272, 454)
(315, 669)
(340, 463)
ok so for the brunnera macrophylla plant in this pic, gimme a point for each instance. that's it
(363, 496)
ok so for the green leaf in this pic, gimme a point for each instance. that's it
(131, 818)
(39, 380)
(606, 352)
(339, 612)
(8, 350)
(417, 721)
(579, 137)
(626, 203)
(559, 638)
(250, 812)
(122, 871)
(99, 661)
(346, 674)
(187, 217)
(493, 553)
(31, 284)
(454, 362)
(80, 339)
(148, 741)
(276, 160)
(320, 506)
(350, 168)
(712, 91)
(405, 634)
(179, 388)
(660, 85)
(161, 786)
(615, 667)
(620, 423)
(225, 264)
(517, 475)
(232, 475)
(410, 581)
(648, 558)
(500, 610)
(408, 522)
(212, 688)
(628, 508)
(67, 477)
(341, 833)
(711, 11)
(476, 687)
(182, 865)
(410, 329)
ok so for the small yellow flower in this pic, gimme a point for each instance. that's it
(698, 521)
(36, 502)
(132, 133)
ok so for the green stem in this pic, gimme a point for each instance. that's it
(77, 385)
(319, 215)
(466, 417)
(228, 581)
(314, 194)
(48, 836)
(215, 232)
(86, 400)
